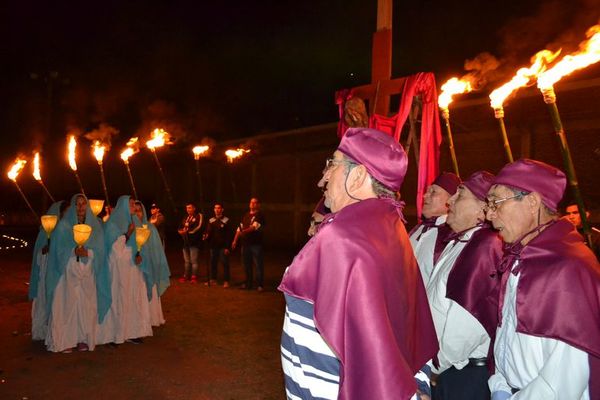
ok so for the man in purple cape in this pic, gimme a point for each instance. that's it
(462, 293)
(427, 238)
(357, 323)
(548, 341)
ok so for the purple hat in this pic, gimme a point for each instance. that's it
(479, 184)
(383, 157)
(447, 181)
(535, 176)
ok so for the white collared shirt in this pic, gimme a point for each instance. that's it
(460, 335)
(424, 247)
(542, 368)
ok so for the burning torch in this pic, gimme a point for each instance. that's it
(128, 152)
(160, 138)
(588, 54)
(13, 173)
(37, 176)
(521, 78)
(99, 150)
(72, 145)
(450, 88)
(233, 155)
(198, 152)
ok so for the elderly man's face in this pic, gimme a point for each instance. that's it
(464, 210)
(512, 217)
(435, 201)
(334, 181)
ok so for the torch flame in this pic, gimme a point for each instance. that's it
(450, 88)
(99, 150)
(36, 167)
(234, 154)
(159, 138)
(132, 142)
(588, 54)
(16, 169)
(199, 150)
(128, 152)
(71, 154)
(523, 77)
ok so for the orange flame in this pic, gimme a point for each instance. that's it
(523, 77)
(450, 88)
(232, 155)
(16, 169)
(99, 150)
(36, 167)
(199, 150)
(160, 137)
(588, 54)
(71, 153)
(132, 142)
(128, 152)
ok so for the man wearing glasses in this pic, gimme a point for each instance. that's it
(357, 322)
(462, 293)
(548, 340)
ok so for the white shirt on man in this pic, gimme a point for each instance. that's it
(459, 333)
(423, 245)
(542, 368)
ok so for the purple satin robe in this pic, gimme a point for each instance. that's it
(369, 300)
(558, 294)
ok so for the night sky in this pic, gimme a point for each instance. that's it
(238, 68)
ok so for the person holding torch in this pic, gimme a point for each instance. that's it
(129, 316)
(77, 292)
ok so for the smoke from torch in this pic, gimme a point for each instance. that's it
(13, 173)
(37, 175)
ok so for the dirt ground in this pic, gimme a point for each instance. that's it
(217, 344)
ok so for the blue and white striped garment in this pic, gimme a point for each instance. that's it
(311, 369)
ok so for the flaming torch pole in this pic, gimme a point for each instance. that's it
(37, 176)
(13, 174)
(199, 151)
(233, 155)
(158, 140)
(588, 54)
(550, 100)
(499, 114)
(99, 150)
(128, 152)
(72, 162)
(450, 88)
(446, 117)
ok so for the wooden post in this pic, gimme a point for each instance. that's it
(381, 64)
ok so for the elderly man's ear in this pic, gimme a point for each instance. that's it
(359, 177)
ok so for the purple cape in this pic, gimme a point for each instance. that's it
(558, 294)
(369, 300)
(473, 281)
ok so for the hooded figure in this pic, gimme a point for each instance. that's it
(37, 281)
(129, 315)
(77, 281)
(155, 267)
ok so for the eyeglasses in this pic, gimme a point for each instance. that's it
(493, 205)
